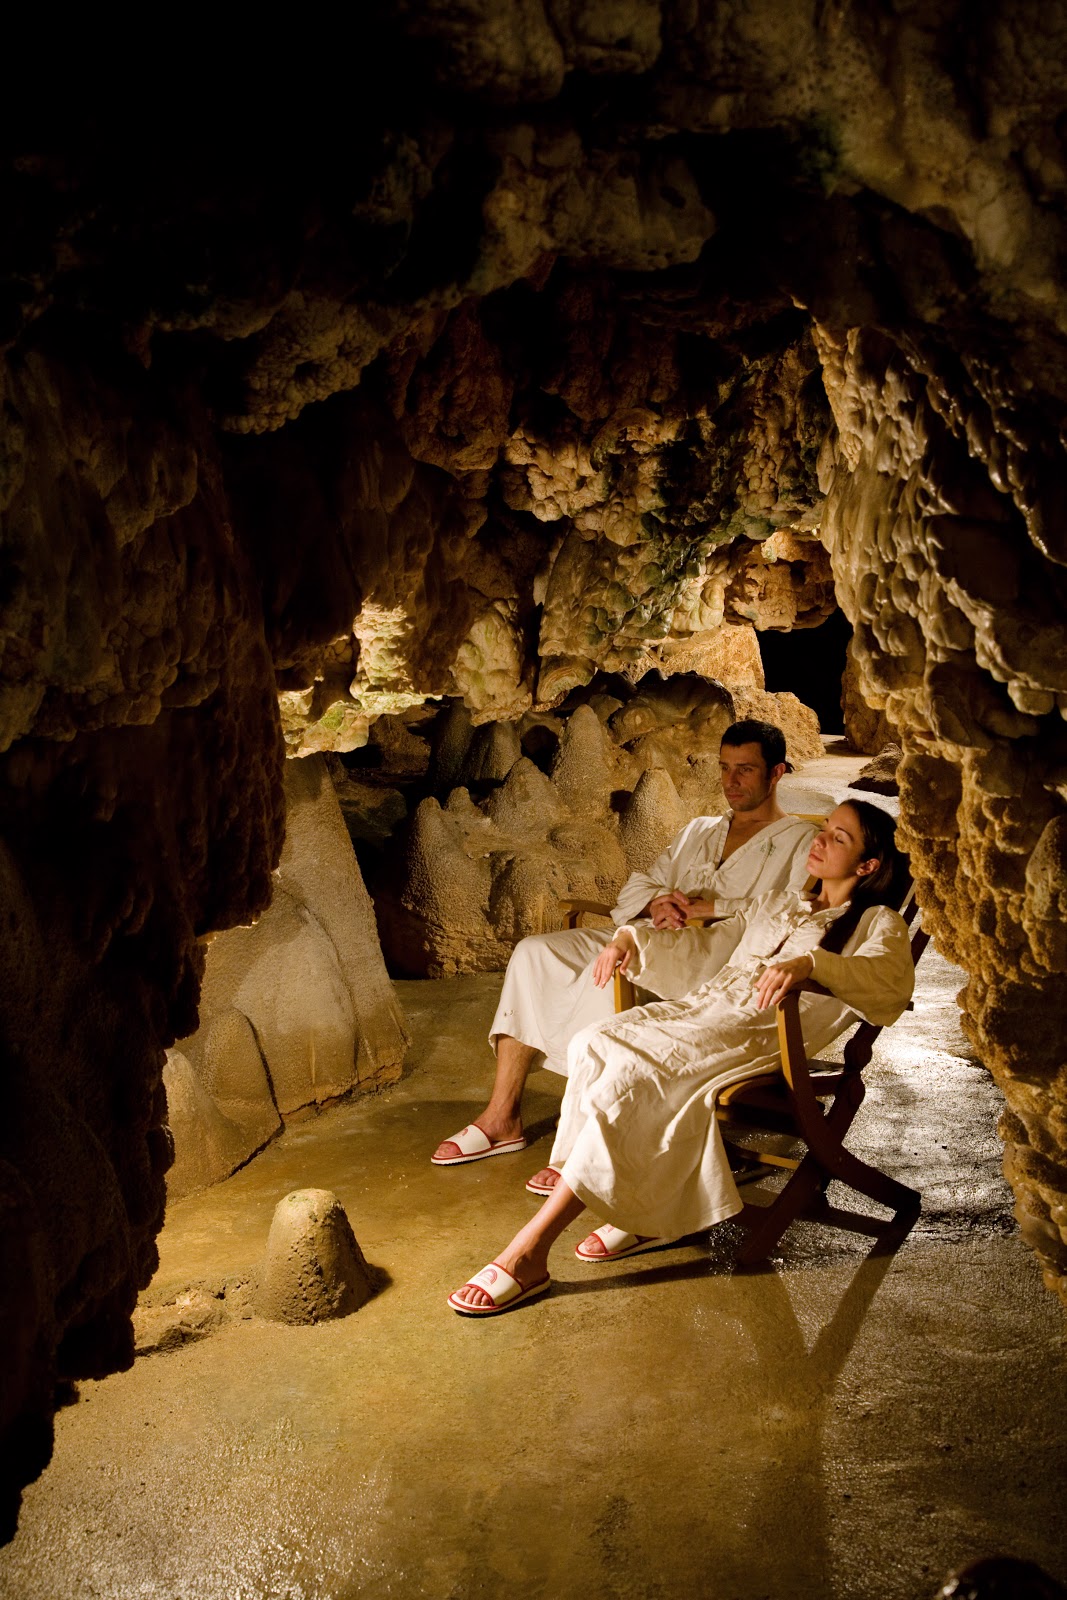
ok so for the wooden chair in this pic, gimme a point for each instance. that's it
(812, 1103)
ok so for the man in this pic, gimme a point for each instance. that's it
(711, 867)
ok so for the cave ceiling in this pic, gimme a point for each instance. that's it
(486, 350)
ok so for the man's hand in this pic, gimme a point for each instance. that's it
(619, 953)
(774, 983)
(697, 910)
(669, 910)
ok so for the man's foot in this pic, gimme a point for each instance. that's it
(475, 1143)
(545, 1181)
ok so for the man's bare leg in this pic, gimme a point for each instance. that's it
(502, 1117)
(526, 1257)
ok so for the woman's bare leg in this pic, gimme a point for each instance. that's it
(526, 1257)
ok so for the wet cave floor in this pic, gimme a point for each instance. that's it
(844, 1422)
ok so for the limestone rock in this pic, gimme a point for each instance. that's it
(491, 754)
(211, 1141)
(866, 729)
(294, 1010)
(729, 654)
(880, 775)
(449, 743)
(318, 865)
(652, 816)
(797, 721)
(589, 766)
(403, 753)
(313, 1269)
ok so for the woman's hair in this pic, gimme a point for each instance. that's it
(885, 885)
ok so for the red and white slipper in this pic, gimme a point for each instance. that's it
(503, 1290)
(534, 1187)
(616, 1244)
(474, 1145)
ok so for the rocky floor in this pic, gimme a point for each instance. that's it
(843, 1423)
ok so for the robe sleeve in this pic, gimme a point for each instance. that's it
(673, 962)
(791, 872)
(664, 873)
(876, 977)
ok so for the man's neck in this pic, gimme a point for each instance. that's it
(758, 817)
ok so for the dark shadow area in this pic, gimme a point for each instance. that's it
(809, 662)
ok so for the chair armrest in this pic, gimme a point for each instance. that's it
(625, 992)
(573, 909)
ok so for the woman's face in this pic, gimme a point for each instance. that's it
(837, 851)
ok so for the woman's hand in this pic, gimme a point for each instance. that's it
(774, 983)
(619, 953)
(697, 910)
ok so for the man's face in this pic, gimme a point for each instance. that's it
(746, 782)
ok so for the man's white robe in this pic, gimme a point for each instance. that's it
(549, 994)
(637, 1137)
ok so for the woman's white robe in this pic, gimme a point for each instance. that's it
(548, 992)
(637, 1138)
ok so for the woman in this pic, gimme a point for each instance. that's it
(637, 1138)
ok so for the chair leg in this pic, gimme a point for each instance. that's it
(766, 1224)
(874, 1183)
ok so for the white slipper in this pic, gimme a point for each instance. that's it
(503, 1290)
(537, 1188)
(617, 1244)
(474, 1145)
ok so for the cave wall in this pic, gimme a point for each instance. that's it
(531, 342)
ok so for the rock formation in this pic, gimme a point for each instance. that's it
(313, 1269)
(530, 343)
(294, 1010)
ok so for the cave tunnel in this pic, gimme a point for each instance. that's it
(399, 498)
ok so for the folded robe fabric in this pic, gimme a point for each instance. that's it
(637, 1138)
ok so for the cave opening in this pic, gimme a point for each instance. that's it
(812, 663)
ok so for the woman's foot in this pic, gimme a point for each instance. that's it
(609, 1243)
(545, 1181)
(527, 1270)
(498, 1288)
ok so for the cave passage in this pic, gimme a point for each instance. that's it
(520, 408)
(811, 664)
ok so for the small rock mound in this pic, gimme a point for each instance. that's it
(880, 775)
(314, 1269)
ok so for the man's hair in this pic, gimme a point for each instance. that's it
(770, 739)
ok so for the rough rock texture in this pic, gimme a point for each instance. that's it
(487, 856)
(963, 522)
(313, 1268)
(295, 1010)
(880, 775)
(865, 728)
(140, 805)
(494, 354)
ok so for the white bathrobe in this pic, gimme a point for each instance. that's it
(637, 1137)
(548, 992)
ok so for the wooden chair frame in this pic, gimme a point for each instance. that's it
(815, 1104)
(812, 1103)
